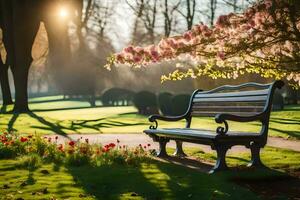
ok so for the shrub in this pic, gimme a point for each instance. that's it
(114, 96)
(180, 104)
(146, 103)
(278, 101)
(165, 103)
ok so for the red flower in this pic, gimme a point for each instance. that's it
(24, 139)
(72, 143)
(3, 139)
(105, 149)
(61, 147)
(112, 145)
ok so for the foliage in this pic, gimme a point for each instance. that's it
(145, 102)
(278, 101)
(113, 96)
(180, 104)
(165, 103)
(32, 150)
(264, 39)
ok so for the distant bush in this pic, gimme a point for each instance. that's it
(278, 101)
(146, 103)
(180, 104)
(165, 103)
(117, 96)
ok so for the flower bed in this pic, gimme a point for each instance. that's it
(35, 149)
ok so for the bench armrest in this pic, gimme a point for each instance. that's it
(222, 117)
(154, 118)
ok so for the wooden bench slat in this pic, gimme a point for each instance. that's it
(225, 108)
(233, 94)
(211, 114)
(232, 99)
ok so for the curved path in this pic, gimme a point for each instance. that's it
(136, 139)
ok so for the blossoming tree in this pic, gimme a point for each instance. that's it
(264, 39)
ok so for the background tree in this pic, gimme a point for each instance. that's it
(264, 39)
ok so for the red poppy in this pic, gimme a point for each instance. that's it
(60, 147)
(105, 149)
(24, 139)
(112, 145)
(72, 143)
(3, 139)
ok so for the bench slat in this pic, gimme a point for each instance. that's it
(228, 108)
(212, 113)
(233, 94)
(232, 99)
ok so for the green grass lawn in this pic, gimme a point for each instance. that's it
(149, 180)
(55, 115)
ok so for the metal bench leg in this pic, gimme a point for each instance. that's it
(221, 159)
(162, 147)
(255, 156)
(179, 151)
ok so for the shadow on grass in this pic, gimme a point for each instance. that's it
(77, 125)
(56, 128)
(171, 179)
(294, 133)
(13, 119)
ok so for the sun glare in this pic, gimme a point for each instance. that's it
(63, 13)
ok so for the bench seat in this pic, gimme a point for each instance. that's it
(202, 136)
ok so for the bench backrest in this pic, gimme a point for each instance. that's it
(248, 99)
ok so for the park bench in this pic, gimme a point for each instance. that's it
(242, 103)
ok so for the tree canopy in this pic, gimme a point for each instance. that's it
(264, 39)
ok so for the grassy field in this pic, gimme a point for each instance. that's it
(151, 180)
(55, 115)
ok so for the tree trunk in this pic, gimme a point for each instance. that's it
(6, 94)
(21, 96)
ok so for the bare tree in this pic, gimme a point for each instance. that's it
(189, 15)
(146, 11)
(168, 12)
